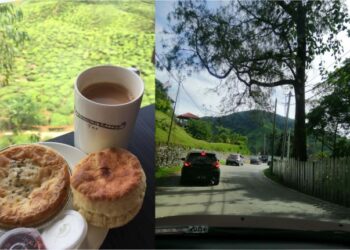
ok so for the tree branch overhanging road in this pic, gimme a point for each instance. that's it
(262, 44)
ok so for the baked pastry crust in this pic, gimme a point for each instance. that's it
(109, 214)
(108, 187)
(34, 185)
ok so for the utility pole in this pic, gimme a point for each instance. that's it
(285, 128)
(288, 144)
(273, 137)
(172, 116)
(264, 144)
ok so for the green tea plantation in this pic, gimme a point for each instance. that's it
(64, 38)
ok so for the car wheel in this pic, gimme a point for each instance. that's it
(183, 180)
(216, 181)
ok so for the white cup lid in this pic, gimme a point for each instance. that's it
(67, 232)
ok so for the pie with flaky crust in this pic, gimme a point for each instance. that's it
(34, 185)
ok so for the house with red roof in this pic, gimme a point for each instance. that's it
(183, 118)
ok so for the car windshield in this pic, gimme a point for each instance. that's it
(295, 142)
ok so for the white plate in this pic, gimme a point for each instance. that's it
(95, 235)
(72, 155)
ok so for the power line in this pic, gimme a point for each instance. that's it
(200, 108)
(345, 53)
(177, 95)
(179, 83)
(173, 115)
(316, 85)
(170, 73)
(191, 99)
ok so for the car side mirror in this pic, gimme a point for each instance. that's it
(183, 159)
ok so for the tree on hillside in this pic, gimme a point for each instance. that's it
(199, 129)
(163, 102)
(261, 44)
(222, 134)
(226, 135)
(10, 39)
(330, 118)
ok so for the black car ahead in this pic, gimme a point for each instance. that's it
(234, 160)
(200, 166)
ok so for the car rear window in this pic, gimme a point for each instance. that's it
(235, 157)
(195, 157)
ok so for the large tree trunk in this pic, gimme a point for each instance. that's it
(299, 149)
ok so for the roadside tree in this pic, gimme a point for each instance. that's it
(329, 119)
(258, 45)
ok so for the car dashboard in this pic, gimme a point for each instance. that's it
(253, 239)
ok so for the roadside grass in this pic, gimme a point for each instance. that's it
(268, 173)
(180, 137)
(222, 162)
(163, 172)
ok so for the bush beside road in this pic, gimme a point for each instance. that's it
(164, 172)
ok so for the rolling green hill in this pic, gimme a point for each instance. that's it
(180, 137)
(65, 38)
(254, 124)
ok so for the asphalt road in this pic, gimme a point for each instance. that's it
(243, 191)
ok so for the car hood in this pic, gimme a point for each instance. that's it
(248, 222)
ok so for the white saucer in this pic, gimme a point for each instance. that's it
(95, 235)
(71, 154)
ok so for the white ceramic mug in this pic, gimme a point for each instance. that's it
(98, 126)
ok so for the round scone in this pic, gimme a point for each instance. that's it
(34, 185)
(108, 187)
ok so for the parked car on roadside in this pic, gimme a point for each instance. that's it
(200, 166)
(263, 158)
(234, 160)
(255, 160)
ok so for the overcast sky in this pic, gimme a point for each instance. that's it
(195, 96)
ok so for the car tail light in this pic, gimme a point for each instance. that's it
(187, 164)
(216, 164)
